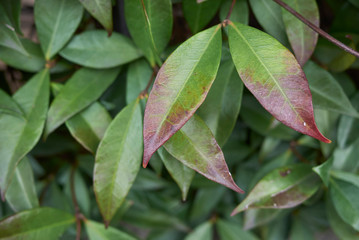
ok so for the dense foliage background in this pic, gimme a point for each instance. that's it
(70, 157)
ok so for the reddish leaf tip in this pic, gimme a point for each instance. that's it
(107, 223)
(234, 212)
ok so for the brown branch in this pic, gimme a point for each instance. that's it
(144, 93)
(231, 9)
(294, 150)
(78, 214)
(317, 29)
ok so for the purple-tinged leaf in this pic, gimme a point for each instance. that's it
(274, 77)
(180, 88)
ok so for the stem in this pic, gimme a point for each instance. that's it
(144, 93)
(293, 145)
(78, 214)
(231, 9)
(317, 29)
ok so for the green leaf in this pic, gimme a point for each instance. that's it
(258, 217)
(344, 60)
(180, 173)
(150, 24)
(231, 231)
(198, 15)
(346, 159)
(13, 11)
(346, 176)
(48, 223)
(21, 194)
(56, 21)
(240, 12)
(300, 230)
(326, 91)
(274, 77)
(195, 146)
(101, 10)
(345, 199)
(95, 49)
(302, 38)
(284, 187)
(323, 171)
(118, 160)
(221, 108)
(201, 232)
(9, 106)
(19, 136)
(180, 88)
(97, 231)
(83, 88)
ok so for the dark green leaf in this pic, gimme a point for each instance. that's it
(323, 171)
(9, 106)
(258, 217)
(231, 231)
(97, 231)
(240, 12)
(300, 230)
(202, 232)
(102, 11)
(13, 11)
(138, 75)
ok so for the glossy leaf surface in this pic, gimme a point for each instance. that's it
(48, 223)
(118, 160)
(101, 10)
(274, 77)
(83, 88)
(284, 187)
(195, 146)
(95, 49)
(302, 38)
(97, 231)
(56, 21)
(180, 87)
(150, 25)
(16, 141)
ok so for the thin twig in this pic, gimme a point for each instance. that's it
(144, 92)
(293, 148)
(78, 214)
(231, 9)
(317, 29)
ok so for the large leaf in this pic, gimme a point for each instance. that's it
(198, 15)
(97, 231)
(48, 223)
(180, 88)
(326, 91)
(18, 135)
(302, 38)
(118, 160)
(274, 77)
(83, 88)
(221, 108)
(101, 10)
(195, 146)
(21, 194)
(284, 187)
(96, 50)
(150, 25)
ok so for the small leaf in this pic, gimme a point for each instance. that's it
(97, 231)
(195, 146)
(323, 171)
(83, 88)
(274, 77)
(231, 231)
(181, 85)
(101, 10)
(21, 194)
(179, 172)
(202, 232)
(198, 15)
(48, 223)
(150, 24)
(302, 38)
(118, 160)
(284, 187)
(95, 49)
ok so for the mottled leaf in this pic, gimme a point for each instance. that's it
(95, 49)
(18, 135)
(97, 231)
(48, 223)
(240, 12)
(284, 187)
(274, 77)
(195, 146)
(181, 85)
(83, 88)
(231, 231)
(101, 10)
(302, 38)
(118, 160)
(150, 25)
(202, 232)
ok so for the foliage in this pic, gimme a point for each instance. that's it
(196, 93)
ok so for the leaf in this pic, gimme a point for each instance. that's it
(150, 24)
(13, 11)
(181, 85)
(323, 171)
(259, 217)
(274, 77)
(180, 173)
(221, 108)
(95, 49)
(300, 230)
(56, 21)
(9, 106)
(240, 12)
(97, 231)
(195, 146)
(346, 176)
(201, 232)
(21, 194)
(284, 187)
(198, 15)
(326, 91)
(83, 88)
(48, 223)
(346, 159)
(19, 136)
(118, 160)
(101, 10)
(302, 38)
(231, 231)
(344, 60)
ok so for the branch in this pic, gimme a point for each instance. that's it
(231, 9)
(78, 214)
(317, 29)
(144, 93)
